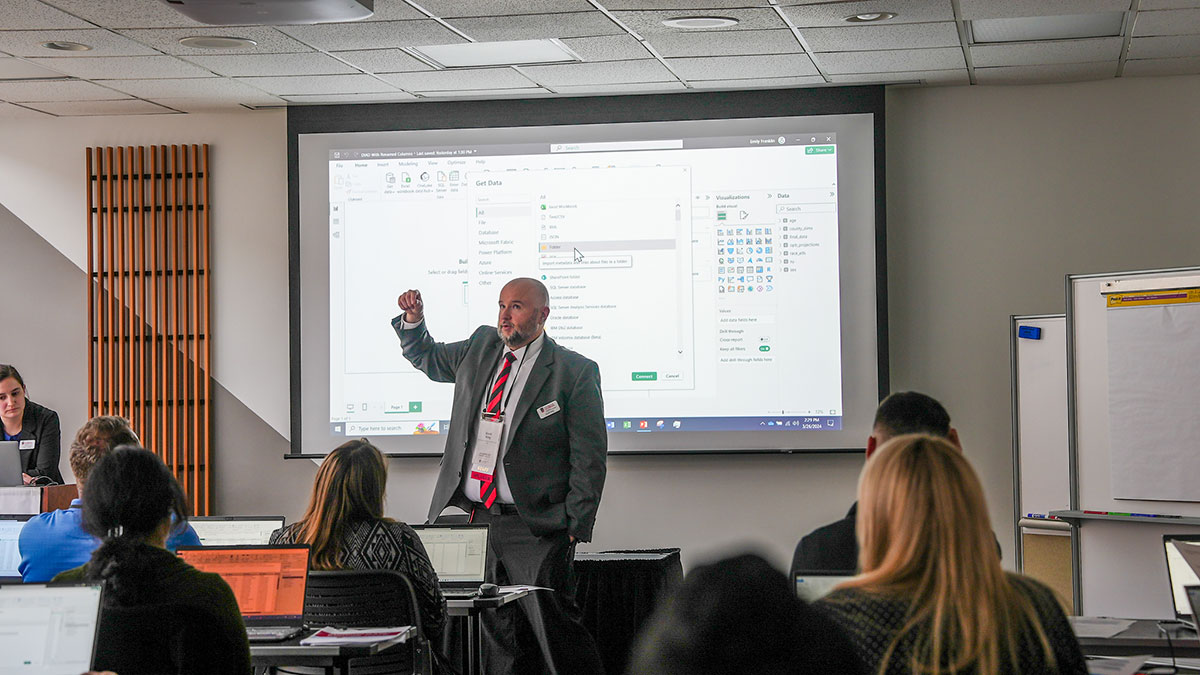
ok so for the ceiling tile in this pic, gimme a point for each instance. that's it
(537, 26)
(892, 61)
(924, 76)
(1167, 22)
(725, 43)
(69, 90)
(9, 111)
(383, 61)
(1183, 66)
(743, 67)
(269, 40)
(216, 87)
(759, 83)
(18, 69)
(1067, 72)
(882, 36)
(646, 23)
(448, 9)
(126, 13)
(33, 15)
(1164, 47)
(607, 48)
(516, 92)
(81, 108)
(102, 42)
(123, 67)
(380, 97)
(834, 14)
(640, 87)
(1168, 4)
(395, 10)
(1037, 53)
(248, 65)
(609, 72)
(318, 84)
(702, 6)
(373, 35)
(1008, 9)
(446, 80)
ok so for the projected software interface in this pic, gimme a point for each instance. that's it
(701, 274)
(48, 630)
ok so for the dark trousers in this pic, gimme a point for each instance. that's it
(545, 636)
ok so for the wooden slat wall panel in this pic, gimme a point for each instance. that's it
(150, 356)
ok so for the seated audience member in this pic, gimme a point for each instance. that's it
(56, 541)
(345, 527)
(131, 502)
(34, 426)
(833, 547)
(932, 598)
(740, 616)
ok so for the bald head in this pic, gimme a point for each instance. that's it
(532, 286)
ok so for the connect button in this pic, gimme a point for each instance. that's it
(649, 376)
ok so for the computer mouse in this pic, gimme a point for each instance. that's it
(488, 590)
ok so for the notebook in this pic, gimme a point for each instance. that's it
(459, 556)
(10, 464)
(10, 554)
(812, 585)
(48, 629)
(1183, 561)
(268, 581)
(235, 530)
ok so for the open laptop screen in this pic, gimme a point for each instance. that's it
(10, 556)
(458, 552)
(268, 581)
(48, 629)
(10, 464)
(812, 585)
(1183, 560)
(235, 530)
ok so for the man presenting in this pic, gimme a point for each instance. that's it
(525, 453)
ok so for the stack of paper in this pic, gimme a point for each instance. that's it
(356, 636)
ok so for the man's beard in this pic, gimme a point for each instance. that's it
(517, 337)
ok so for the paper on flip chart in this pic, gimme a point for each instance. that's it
(1098, 627)
(355, 636)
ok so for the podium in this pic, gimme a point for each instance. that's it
(32, 500)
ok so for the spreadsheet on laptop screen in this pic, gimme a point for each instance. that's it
(235, 532)
(10, 556)
(48, 630)
(457, 554)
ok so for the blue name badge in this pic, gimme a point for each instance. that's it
(1029, 332)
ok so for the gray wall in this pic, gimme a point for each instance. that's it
(994, 194)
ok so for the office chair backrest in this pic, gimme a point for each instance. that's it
(162, 639)
(364, 599)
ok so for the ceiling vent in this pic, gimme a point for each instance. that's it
(272, 12)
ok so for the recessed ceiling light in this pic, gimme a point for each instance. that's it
(1030, 29)
(869, 17)
(217, 42)
(700, 22)
(490, 54)
(66, 46)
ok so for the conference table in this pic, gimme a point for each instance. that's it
(333, 658)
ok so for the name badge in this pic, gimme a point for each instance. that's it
(487, 448)
(548, 409)
(26, 444)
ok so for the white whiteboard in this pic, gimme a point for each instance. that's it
(1040, 417)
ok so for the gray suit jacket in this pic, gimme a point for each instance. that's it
(555, 465)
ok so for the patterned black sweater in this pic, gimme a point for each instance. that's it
(873, 621)
(388, 545)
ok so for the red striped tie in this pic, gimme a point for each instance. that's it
(487, 486)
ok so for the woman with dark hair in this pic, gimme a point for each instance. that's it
(740, 615)
(130, 504)
(346, 528)
(34, 427)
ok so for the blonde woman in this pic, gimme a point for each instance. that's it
(931, 598)
(345, 527)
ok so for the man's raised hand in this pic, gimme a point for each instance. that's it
(414, 308)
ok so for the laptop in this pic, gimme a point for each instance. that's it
(1183, 561)
(10, 464)
(10, 554)
(49, 629)
(812, 585)
(459, 556)
(269, 583)
(235, 530)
